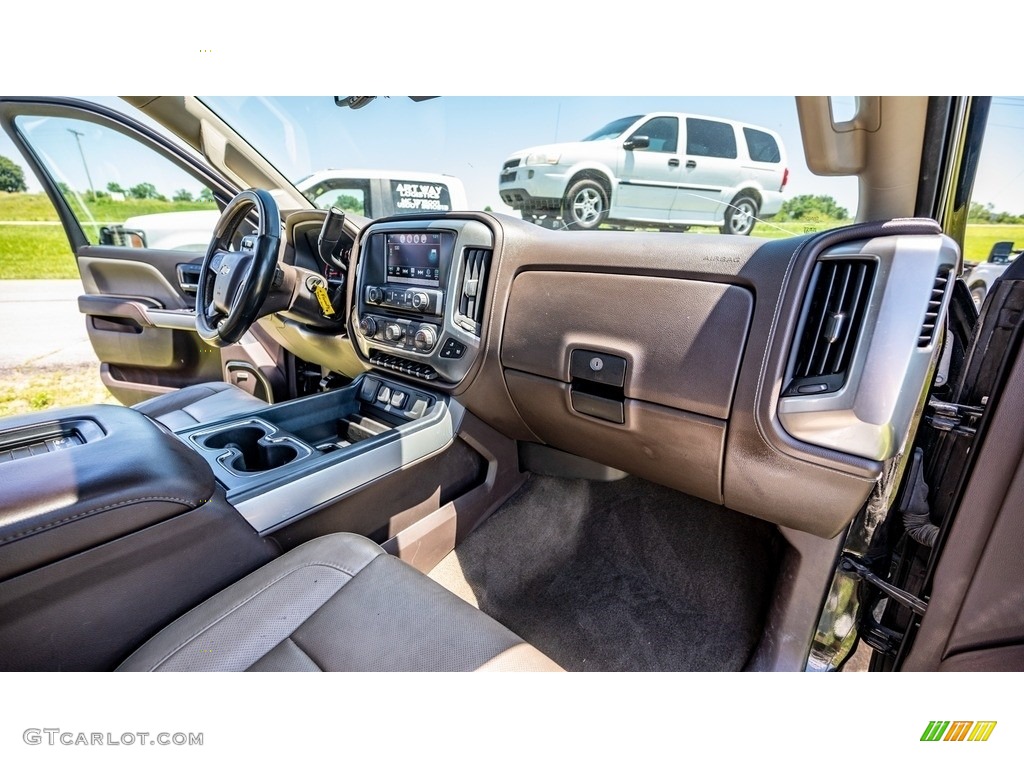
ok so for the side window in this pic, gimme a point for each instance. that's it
(121, 192)
(710, 138)
(994, 235)
(762, 146)
(663, 133)
(350, 196)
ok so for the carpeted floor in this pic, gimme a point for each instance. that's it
(625, 575)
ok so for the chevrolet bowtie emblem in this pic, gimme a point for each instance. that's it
(225, 269)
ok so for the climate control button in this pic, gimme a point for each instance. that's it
(367, 326)
(425, 338)
(394, 332)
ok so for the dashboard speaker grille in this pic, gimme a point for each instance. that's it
(830, 325)
(475, 265)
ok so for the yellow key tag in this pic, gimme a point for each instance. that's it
(325, 301)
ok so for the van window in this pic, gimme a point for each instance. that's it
(420, 196)
(663, 133)
(762, 146)
(708, 138)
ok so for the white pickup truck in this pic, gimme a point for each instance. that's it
(369, 193)
(981, 278)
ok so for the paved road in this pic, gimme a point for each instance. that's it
(40, 324)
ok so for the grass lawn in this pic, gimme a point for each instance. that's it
(35, 251)
(28, 206)
(23, 206)
(42, 387)
(40, 250)
(979, 239)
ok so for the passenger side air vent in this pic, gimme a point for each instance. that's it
(475, 263)
(931, 317)
(830, 325)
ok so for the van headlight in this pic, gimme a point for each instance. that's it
(543, 158)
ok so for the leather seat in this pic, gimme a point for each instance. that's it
(337, 603)
(199, 404)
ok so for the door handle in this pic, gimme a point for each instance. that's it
(674, 162)
(691, 163)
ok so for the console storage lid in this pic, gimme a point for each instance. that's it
(77, 477)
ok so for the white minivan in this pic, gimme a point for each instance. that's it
(662, 169)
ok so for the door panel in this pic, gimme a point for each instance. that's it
(138, 212)
(649, 177)
(141, 322)
(711, 167)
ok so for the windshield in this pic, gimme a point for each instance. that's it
(705, 165)
(455, 147)
(614, 129)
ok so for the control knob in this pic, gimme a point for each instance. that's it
(368, 326)
(393, 332)
(425, 338)
(374, 295)
(420, 300)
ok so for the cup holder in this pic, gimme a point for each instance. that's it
(252, 446)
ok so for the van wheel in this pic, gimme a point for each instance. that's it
(978, 294)
(740, 216)
(586, 205)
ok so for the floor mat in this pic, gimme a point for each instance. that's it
(626, 575)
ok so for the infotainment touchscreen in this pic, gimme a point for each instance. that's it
(414, 258)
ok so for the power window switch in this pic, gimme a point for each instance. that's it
(398, 399)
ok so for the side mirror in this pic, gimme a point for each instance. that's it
(636, 142)
(118, 235)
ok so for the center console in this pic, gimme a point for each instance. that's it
(286, 461)
(419, 296)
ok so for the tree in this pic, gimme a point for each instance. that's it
(986, 214)
(977, 212)
(206, 196)
(144, 191)
(116, 189)
(182, 196)
(812, 208)
(350, 204)
(12, 178)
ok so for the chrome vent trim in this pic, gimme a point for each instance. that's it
(472, 288)
(929, 327)
(871, 414)
(830, 325)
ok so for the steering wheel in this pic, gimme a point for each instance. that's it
(234, 284)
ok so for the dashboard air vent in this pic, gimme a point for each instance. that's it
(475, 263)
(830, 325)
(931, 316)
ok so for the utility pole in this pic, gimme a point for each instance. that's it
(78, 140)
